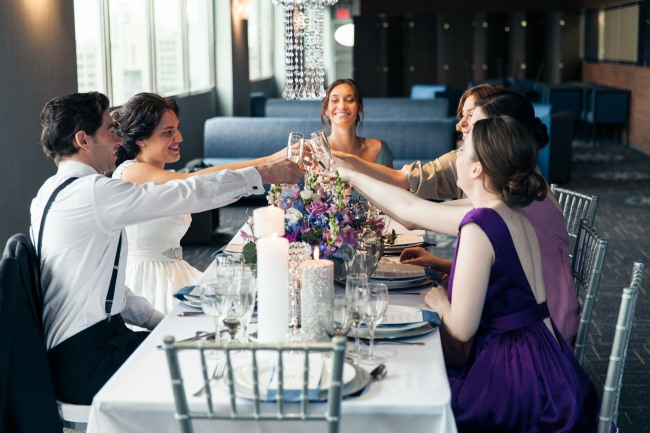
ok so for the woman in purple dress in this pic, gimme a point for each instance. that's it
(521, 375)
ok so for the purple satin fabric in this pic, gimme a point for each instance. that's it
(550, 228)
(518, 378)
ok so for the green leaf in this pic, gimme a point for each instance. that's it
(250, 253)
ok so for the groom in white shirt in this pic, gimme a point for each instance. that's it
(85, 331)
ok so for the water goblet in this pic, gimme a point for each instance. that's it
(373, 313)
(356, 294)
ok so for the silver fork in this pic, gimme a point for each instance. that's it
(216, 375)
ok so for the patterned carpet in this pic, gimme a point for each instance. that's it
(620, 175)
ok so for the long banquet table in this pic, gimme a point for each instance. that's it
(414, 396)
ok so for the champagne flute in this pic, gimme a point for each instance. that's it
(240, 299)
(356, 293)
(321, 150)
(294, 147)
(373, 313)
(249, 289)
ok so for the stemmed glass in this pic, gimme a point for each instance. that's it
(356, 294)
(321, 150)
(215, 302)
(373, 314)
(295, 146)
(244, 303)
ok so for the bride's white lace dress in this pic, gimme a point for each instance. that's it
(155, 268)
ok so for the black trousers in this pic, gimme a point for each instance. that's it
(83, 363)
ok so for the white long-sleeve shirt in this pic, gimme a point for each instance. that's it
(82, 231)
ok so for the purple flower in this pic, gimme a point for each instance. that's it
(316, 208)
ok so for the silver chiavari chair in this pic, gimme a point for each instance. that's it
(575, 207)
(257, 408)
(614, 380)
(587, 264)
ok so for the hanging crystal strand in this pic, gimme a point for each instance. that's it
(319, 63)
(303, 41)
(312, 52)
(302, 27)
(288, 53)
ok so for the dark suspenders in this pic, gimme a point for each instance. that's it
(111, 288)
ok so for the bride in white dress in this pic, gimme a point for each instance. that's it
(148, 126)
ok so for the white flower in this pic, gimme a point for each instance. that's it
(306, 194)
(293, 215)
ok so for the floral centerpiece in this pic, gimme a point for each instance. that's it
(323, 214)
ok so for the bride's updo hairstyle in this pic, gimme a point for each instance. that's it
(137, 119)
(515, 105)
(507, 152)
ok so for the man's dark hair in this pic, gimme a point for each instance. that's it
(63, 117)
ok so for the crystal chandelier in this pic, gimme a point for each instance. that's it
(303, 48)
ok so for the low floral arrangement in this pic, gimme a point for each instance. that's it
(323, 214)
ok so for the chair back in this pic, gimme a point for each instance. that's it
(614, 380)
(258, 406)
(587, 264)
(575, 207)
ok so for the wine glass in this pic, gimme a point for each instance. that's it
(215, 302)
(373, 313)
(294, 147)
(356, 294)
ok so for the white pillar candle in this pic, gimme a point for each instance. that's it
(317, 290)
(272, 288)
(267, 221)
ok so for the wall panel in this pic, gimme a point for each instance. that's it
(636, 80)
(37, 45)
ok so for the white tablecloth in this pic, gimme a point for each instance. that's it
(414, 396)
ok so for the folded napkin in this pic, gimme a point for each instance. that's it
(184, 292)
(399, 316)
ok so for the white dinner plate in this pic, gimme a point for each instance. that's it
(400, 322)
(244, 387)
(397, 333)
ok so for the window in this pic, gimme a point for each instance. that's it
(90, 62)
(130, 48)
(618, 34)
(200, 48)
(260, 39)
(161, 46)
